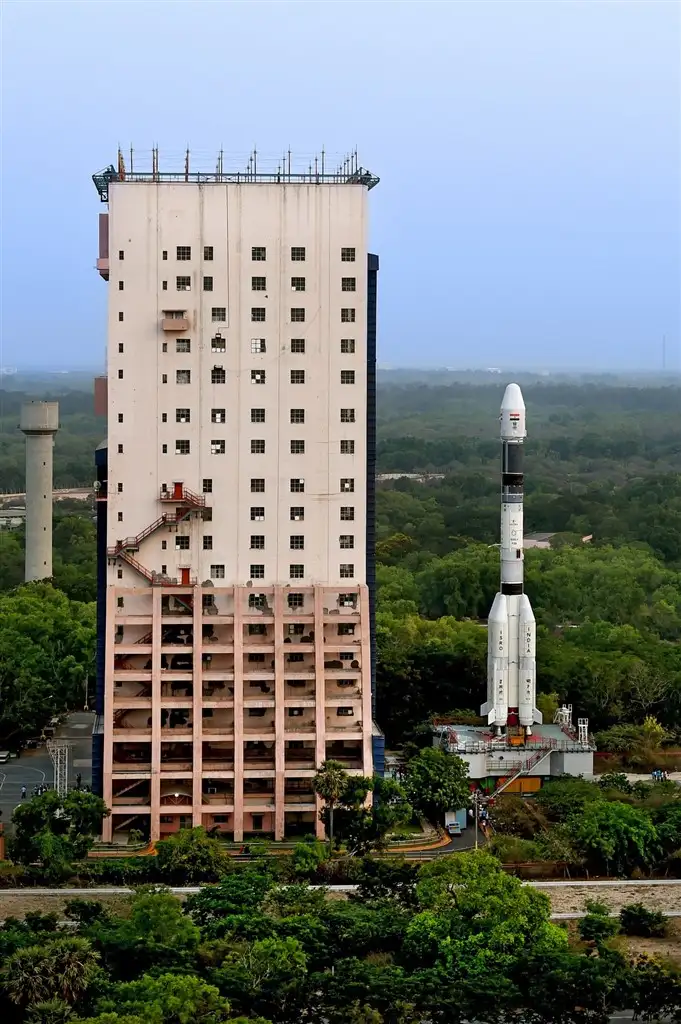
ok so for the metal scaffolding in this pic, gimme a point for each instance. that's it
(59, 752)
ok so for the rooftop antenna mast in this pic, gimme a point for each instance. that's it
(59, 752)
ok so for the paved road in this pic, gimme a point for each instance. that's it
(34, 767)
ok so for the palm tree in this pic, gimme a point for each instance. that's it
(330, 783)
(60, 969)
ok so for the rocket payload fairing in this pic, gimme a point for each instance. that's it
(511, 629)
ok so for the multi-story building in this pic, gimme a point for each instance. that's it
(236, 508)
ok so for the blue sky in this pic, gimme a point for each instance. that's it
(528, 214)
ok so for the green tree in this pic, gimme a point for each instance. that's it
(53, 1011)
(240, 893)
(168, 999)
(58, 969)
(267, 977)
(615, 838)
(330, 783)
(47, 648)
(436, 782)
(192, 855)
(53, 831)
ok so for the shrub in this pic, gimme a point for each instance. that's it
(597, 926)
(635, 919)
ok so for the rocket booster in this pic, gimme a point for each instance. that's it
(511, 636)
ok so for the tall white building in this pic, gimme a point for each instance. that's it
(236, 496)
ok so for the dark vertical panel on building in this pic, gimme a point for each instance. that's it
(378, 753)
(104, 236)
(98, 737)
(372, 287)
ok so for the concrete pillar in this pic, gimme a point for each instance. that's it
(39, 422)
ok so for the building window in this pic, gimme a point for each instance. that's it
(347, 601)
(257, 314)
(208, 252)
(164, 449)
(345, 712)
(298, 346)
(121, 286)
(258, 253)
(121, 254)
(297, 485)
(257, 629)
(256, 822)
(298, 253)
(120, 316)
(119, 602)
(257, 376)
(347, 316)
(347, 484)
(347, 447)
(257, 415)
(296, 600)
(120, 517)
(120, 417)
(182, 543)
(258, 284)
(183, 284)
(164, 346)
(257, 486)
(184, 252)
(120, 375)
(207, 515)
(164, 254)
(258, 346)
(217, 447)
(347, 255)
(297, 447)
(297, 513)
(119, 573)
(258, 542)
(297, 542)
(208, 284)
(218, 344)
(182, 447)
(257, 572)
(218, 375)
(120, 449)
(347, 513)
(257, 513)
(257, 446)
(164, 545)
(348, 284)
(347, 570)
(257, 601)
(164, 378)
(217, 572)
(297, 284)
(347, 541)
(164, 286)
(182, 416)
(347, 376)
(119, 488)
(347, 346)
(296, 571)
(218, 416)
(347, 416)
(174, 314)
(297, 376)
(218, 314)
(183, 376)
(207, 485)
(297, 315)
(183, 345)
(297, 415)
(297, 657)
(208, 543)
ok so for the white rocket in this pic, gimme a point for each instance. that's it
(511, 630)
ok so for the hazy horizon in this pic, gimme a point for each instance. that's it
(529, 209)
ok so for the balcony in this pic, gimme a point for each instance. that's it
(219, 722)
(218, 757)
(175, 320)
(218, 691)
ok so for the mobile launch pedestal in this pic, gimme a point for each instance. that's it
(516, 749)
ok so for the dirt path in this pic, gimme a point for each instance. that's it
(655, 897)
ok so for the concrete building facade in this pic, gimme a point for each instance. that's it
(235, 498)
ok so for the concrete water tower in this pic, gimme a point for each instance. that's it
(39, 422)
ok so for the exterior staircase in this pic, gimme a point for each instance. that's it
(123, 549)
(524, 769)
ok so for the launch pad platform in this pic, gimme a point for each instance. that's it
(550, 750)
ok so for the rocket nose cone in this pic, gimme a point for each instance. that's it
(513, 398)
